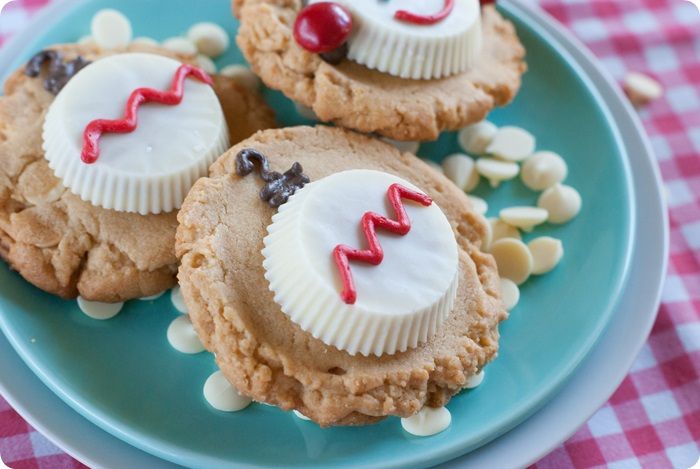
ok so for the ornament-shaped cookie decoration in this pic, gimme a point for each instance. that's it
(399, 298)
(132, 132)
(417, 39)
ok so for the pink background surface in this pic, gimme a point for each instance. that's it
(653, 419)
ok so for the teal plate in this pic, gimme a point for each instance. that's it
(122, 374)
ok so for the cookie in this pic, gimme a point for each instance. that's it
(357, 97)
(270, 357)
(67, 246)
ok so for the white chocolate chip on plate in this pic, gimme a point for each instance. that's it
(180, 45)
(111, 29)
(479, 205)
(461, 170)
(210, 39)
(475, 381)
(477, 137)
(510, 293)
(206, 64)
(98, 310)
(182, 336)
(487, 238)
(496, 171)
(512, 144)
(501, 229)
(546, 254)
(642, 89)
(242, 75)
(561, 202)
(87, 41)
(145, 41)
(513, 259)
(525, 218)
(542, 170)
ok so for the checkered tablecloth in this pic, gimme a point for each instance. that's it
(653, 420)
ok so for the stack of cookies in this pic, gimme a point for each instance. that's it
(329, 272)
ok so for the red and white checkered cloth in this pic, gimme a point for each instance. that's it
(653, 420)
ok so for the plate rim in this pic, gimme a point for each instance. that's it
(46, 14)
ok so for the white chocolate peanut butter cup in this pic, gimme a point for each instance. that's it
(418, 51)
(147, 170)
(400, 302)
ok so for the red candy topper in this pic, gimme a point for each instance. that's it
(172, 97)
(322, 27)
(342, 254)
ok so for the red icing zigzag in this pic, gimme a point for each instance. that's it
(172, 97)
(374, 255)
(415, 18)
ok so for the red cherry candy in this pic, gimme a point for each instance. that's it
(322, 27)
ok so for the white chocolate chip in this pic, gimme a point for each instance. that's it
(542, 170)
(561, 202)
(512, 144)
(461, 170)
(510, 293)
(211, 39)
(152, 297)
(501, 229)
(87, 41)
(98, 310)
(642, 89)
(546, 254)
(475, 380)
(111, 29)
(180, 45)
(182, 336)
(206, 64)
(306, 112)
(300, 415)
(513, 259)
(242, 75)
(479, 205)
(221, 395)
(487, 238)
(525, 218)
(145, 41)
(404, 147)
(496, 171)
(428, 421)
(177, 300)
(476, 138)
(433, 165)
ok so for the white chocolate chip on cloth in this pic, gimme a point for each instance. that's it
(65, 245)
(261, 349)
(357, 97)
